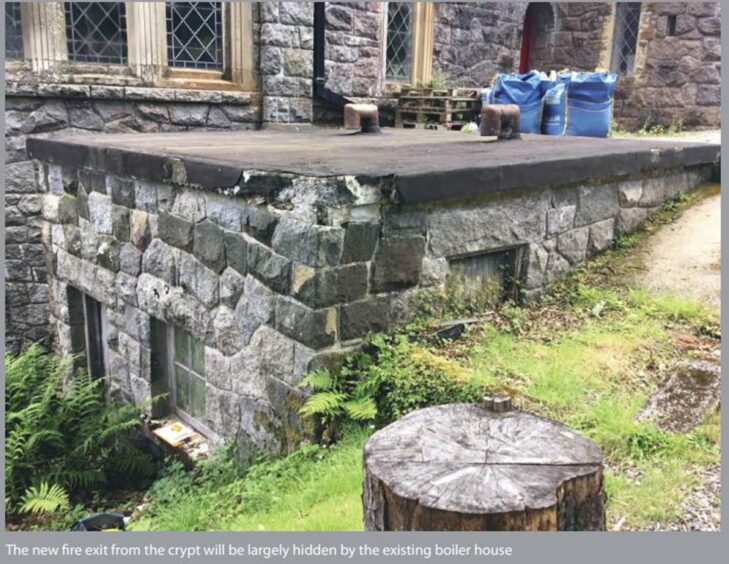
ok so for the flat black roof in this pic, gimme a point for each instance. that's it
(427, 165)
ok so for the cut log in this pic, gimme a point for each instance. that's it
(464, 467)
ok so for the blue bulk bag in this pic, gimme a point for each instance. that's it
(590, 104)
(526, 91)
(554, 112)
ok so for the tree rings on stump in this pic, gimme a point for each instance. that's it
(464, 467)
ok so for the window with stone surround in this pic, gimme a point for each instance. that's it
(625, 37)
(399, 41)
(207, 40)
(195, 35)
(408, 42)
(96, 32)
(188, 375)
(13, 31)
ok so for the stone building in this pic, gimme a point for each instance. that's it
(152, 67)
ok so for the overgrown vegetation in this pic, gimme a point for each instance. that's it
(315, 487)
(650, 128)
(588, 354)
(390, 378)
(63, 441)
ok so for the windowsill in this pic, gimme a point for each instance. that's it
(111, 81)
(20, 80)
(191, 450)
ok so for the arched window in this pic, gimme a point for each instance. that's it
(540, 23)
(625, 37)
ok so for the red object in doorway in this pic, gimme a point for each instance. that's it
(526, 42)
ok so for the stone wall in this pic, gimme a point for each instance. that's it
(556, 228)
(45, 109)
(354, 52)
(473, 41)
(286, 46)
(679, 80)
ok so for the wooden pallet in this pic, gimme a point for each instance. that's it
(429, 119)
(427, 108)
(448, 126)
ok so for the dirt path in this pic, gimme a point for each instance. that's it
(683, 257)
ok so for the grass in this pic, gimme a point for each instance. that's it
(588, 355)
(315, 488)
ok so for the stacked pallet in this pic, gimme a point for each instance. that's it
(429, 108)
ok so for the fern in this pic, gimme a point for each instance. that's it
(361, 409)
(318, 381)
(59, 430)
(44, 499)
(324, 403)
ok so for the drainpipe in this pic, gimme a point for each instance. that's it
(320, 79)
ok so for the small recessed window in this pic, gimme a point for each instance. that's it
(490, 277)
(188, 373)
(671, 25)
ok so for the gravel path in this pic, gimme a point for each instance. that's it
(684, 257)
(702, 509)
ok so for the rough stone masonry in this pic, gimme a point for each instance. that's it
(280, 253)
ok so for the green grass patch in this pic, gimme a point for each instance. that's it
(588, 355)
(314, 488)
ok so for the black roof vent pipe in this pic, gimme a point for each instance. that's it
(320, 79)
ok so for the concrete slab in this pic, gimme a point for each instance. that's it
(426, 166)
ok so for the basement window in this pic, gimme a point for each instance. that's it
(188, 376)
(96, 331)
(490, 277)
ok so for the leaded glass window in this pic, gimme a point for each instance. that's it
(96, 32)
(13, 31)
(398, 63)
(625, 38)
(195, 35)
(189, 374)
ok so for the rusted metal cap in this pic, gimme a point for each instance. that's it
(362, 117)
(497, 404)
(501, 121)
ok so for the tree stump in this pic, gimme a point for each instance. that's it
(468, 468)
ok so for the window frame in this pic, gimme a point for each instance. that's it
(45, 49)
(124, 35)
(96, 330)
(223, 41)
(616, 27)
(421, 46)
(193, 421)
(18, 6)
